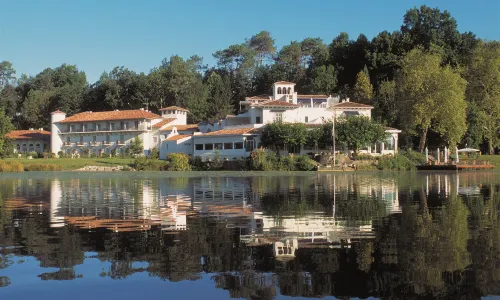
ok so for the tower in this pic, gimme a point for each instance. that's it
(175, 112)
(55, 137)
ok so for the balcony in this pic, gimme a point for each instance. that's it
(120, 143)
(94, 144)
(107, 143)
(142, 127)
(80, 144)
(67, 144)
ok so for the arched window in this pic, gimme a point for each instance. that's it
(279, 90)
(289, 90)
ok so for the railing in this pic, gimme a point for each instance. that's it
(106, 129)
(80, 144)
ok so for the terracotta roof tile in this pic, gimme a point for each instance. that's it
(352, 105)
(187, 127)
(258, 97)
(178, 137)
(275, 103)
(163, 122)
(284, 82)
(235, 131)
(29, 135)
(111, 115)
(174, 108)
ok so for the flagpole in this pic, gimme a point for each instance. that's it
(333, 137)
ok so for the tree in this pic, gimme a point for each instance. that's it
(385, 101)
(323, 80)
(7, 73)
(363, 89)
(263, 44)
(5, 127)
(136, 147)
(483, 92)
(219, 100)
(280, 135)
(430, 97)
(358, 131)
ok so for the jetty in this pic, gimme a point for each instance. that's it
(435, 164)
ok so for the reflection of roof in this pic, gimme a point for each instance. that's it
(352, 105)
(174, 108)
(284, 82)
(111, 115)
(233, 131)
(118, 225)
(163, 123)
(190, 127)
(276, 103)
(178, 137)
(29, 135)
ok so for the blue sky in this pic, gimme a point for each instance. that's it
(98, 35)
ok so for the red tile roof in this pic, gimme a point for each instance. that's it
(276, 103)
(29, 135)
(284, 82)
(188, 127)
(392, 129)
(57, 112)
(178, 137)
(111, 115)
(235, 131)
(163, 122)
(352, 105)
(174, 108)
(259, 97)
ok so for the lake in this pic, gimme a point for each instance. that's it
(249, 235)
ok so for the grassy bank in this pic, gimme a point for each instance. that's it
(68, 164)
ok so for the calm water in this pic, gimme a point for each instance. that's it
(253, 236)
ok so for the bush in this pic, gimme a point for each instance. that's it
(61, 154)
(304, 163)
(42, 167)
(154, 153)
(145, 164)
(178, 162)
(33, 154)
(86, 153)
(10, 166)
(364, 157)
(197, 164)
(105, 155)
(113, 152)
(286, 163)
(52, 155)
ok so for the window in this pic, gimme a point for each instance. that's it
(122, 125)
(238, 145)
(209, 146)
(250, 144)
(278, 117)
(155, 140)
(289, 90)
(111, 126)
(228, 146)
(71, 128)
(218, 146)
(94, 138)
(122, 139)
(307, 119)
(81, 139)
(97, 127)
(198, 147)
(258, 120)
(279, 90)
(67, 139)
(108, 138)
(136, 124)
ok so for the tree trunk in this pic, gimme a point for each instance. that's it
(490, 147)
(423, 138)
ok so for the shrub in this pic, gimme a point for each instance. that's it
(52, 155)
(145, 164)
(154, 153)
(397, 162)
(178, 162)
(42, 167)
(105, 155)
(10, 166)
(113, 152)
(86, 153)
(61, 154)
(304, 163)
(33, 154)
(259, 161)
(197, 164)
(364, 157)
(286, 163)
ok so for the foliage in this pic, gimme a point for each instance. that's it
(178, 162)
(33, 154)
(154, 153)
(430, 97)
(43, 167)
(358, 131)
(136, 147)
(145, 164)
(363, 89)
(10, 166)
(5, 127)
(280, 135)
(260, 160)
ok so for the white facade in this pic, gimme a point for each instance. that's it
(283, 105)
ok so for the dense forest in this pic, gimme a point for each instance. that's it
(439, 85)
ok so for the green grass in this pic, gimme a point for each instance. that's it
(68, 164)
(493, 159)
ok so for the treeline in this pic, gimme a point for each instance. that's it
(439, 85)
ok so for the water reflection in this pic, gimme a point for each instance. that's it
(311, 235)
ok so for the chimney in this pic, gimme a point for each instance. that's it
(31, 128)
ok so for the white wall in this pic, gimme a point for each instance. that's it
(184, 145)
(224, 153)
(55, 138)
(24, 146)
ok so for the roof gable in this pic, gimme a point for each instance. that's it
(163, 123)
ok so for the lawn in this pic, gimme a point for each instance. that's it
(493, 159)
(75, 163)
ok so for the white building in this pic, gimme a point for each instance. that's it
(25, 141)
(237, 136)
(111, 131)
